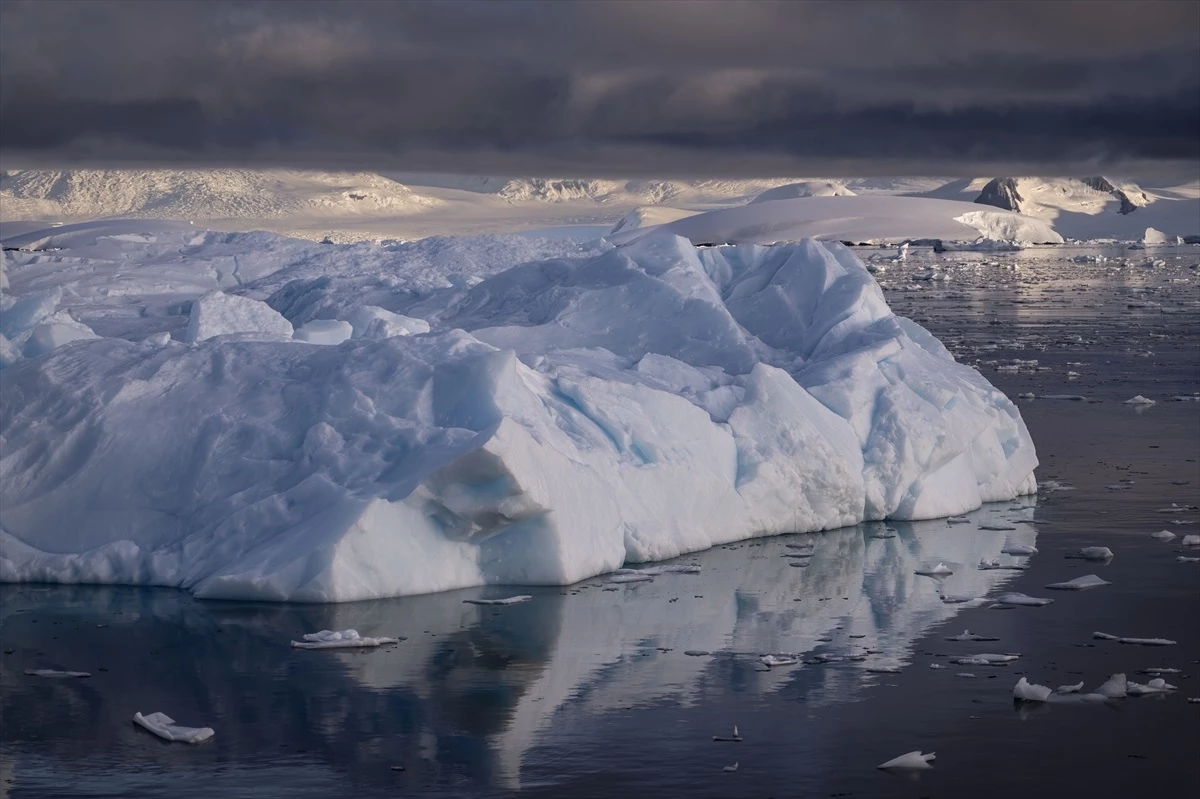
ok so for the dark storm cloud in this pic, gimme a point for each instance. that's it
(686, 86)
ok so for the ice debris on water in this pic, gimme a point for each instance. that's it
(1016, 549)
(1139, 400)
(1079, 583)
(1025, 691)
(1190, 541)
(994, 564)
(986, 659)
(55, 673)
(1017, 599)
(1092, 553)
(631, 577)
(512, 600)
(1156, 686)
(1069, 689)
(730, 769)
(940, 570)
(345, 639)
(165, 727)
(735, 738)
(967, 635)
(1139, 641)
(778, 660)
(1163, 535)
(910, 761)
(1186, 559)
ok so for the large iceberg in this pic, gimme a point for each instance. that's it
(561, 418)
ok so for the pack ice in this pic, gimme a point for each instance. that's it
(559, 419)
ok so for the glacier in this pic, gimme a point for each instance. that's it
(536, 423)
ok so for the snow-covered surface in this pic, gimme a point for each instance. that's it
(560, 419)
(366, 206)
(165, 727)
(870, 219)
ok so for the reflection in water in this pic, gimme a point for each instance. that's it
(474, 690)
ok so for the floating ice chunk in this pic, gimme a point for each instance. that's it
(940, 570)
(512, 600)
(696, 653)
(778, 660)
(986, 659)
(1194, 700)
(217, 313)
(958, 520)
(936, 666)
(910, 761)
(967, 635)
(632, 577)
(993, 564)
(674, 568)
(324, 331)
(1139, 641)
(56, 673)
(1069, 689)
(1079, 583)
(1114, 687)
(735, 738)
(1191, 541)
(1014, 549)
(1163, 535)
(1139, 400)
(1159, 671)
(960, 599)
(344, 639)
(1186, 559)
(1155, 686)
(730, 769)
(1017, 599)
(165, 727)
(965, 675)
(1092, 553)
(883, 669)
(1025, 691)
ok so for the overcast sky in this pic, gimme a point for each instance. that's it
(680, 87)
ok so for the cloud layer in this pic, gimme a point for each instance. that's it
(611, 87)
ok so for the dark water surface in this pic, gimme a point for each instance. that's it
(587, 691)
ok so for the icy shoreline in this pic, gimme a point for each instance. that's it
(561, 418)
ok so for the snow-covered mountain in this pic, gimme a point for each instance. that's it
(208, 194)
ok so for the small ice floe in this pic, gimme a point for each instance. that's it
(1158, 672)
(1186, 559)
(1155, 686)
(994, 564)
(778, 660)
(1055, 485)
(165, 727)
(936, 666)
(512, 600)
(730, 769)
(632, 576)
(1163, 535)
(1138, 400)
(967, 635)
(345, 639)
(910, 761)
(883, 669)
(1176, 509)
(696, 653)
(1067, 397)
(1190, 541)
(55, 673)
(1025, 691)
(940, 570)
(1092, 553)
(1114, 687)
(1017, 599)
(1119, 487)
(1015, 549)
(960, 599)
(1079, 583)
(1139, 641)
(1069, 689)
(965, 675)
(673, 568)
(735, 738)
(987, 659)
(958, 520)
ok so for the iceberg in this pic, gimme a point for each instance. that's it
(560, 419)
